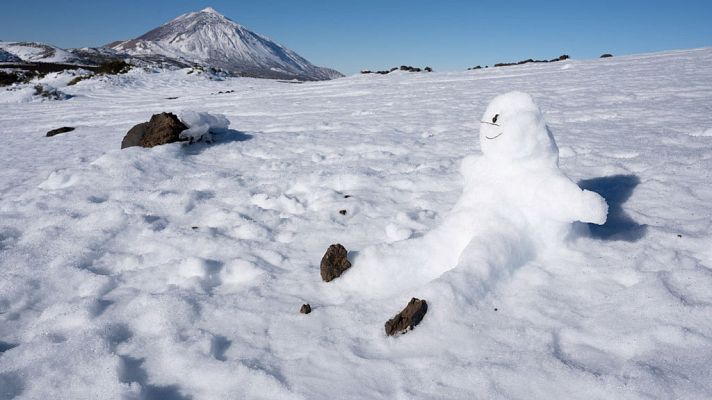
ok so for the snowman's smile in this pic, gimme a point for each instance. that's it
(494, 137)
(494, 122)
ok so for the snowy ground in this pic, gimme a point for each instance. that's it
(177, 272)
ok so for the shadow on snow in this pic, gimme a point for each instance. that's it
(616, 189)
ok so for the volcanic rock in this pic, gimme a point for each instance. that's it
(334, 262)
(57, 131)
(161, 129)
(407, 319)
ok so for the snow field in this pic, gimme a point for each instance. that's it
(178, 271)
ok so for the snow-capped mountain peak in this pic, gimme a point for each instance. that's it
(209, 10)
(210, 39)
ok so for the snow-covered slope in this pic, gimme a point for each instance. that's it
(6, 57)
(39, 52)
(210, 39)
(178, 272)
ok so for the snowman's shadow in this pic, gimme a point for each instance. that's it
(616, 189)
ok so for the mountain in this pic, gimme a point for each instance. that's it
(7, 57)
(36, 52)
(209, 39)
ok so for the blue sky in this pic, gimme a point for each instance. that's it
(365, 34)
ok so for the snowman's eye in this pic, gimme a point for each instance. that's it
(494, 119)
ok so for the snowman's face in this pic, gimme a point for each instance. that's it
(513, 128)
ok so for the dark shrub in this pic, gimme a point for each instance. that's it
(114, 68)
(78, 79)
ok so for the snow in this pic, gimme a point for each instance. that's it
(201, 125)
(515, 203)
(179, 271)
(38, 52)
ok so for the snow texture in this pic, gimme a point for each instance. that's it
(202, 125)
(178, 271)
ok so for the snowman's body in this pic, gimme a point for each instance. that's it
(515, 200)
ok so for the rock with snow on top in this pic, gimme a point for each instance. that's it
(163, 128)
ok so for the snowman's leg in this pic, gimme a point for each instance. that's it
(488, 259)
(389, 268)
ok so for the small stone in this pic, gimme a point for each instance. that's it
(495, 308)
(306, 309)
(342, 212)
(334, 262)
(57, 131)
(346, 196)
(195, 228)
(407, 319)
(679, 236)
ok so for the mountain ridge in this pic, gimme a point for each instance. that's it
(203, 38)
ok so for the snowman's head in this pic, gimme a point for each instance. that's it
(513, 129)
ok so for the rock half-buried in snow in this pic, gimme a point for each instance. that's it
(167, 128)
(407, 319)
(515, 203)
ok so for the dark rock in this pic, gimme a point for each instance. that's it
(306, 309)
(134, 135)
(366, 71)
(563, 57)
(342, 212)
(346, 196)
(407, 319)
(57, 131)
(334, 262)
(606, 55)
(428, 69)
(161, 129)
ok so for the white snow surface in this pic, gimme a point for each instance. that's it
(201, 125)
(178, 271)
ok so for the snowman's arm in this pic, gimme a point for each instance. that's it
(570, 203)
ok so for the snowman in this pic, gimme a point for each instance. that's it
(515, 204)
